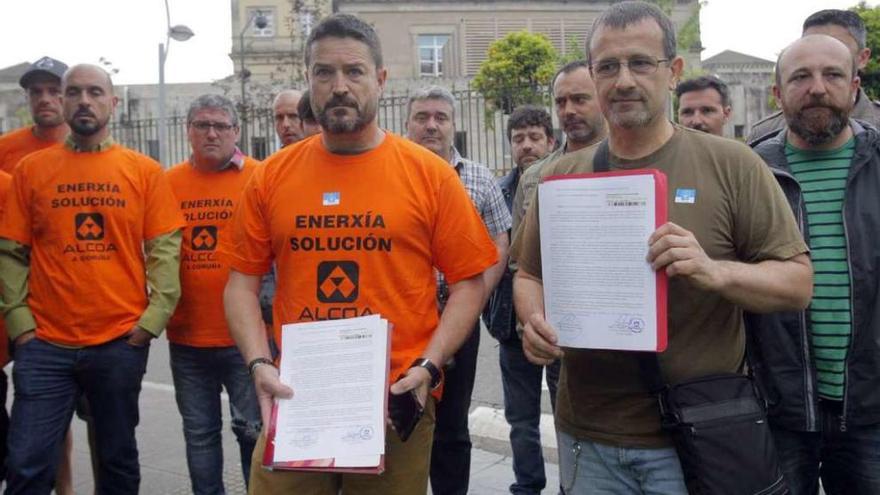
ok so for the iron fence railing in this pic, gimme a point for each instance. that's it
(480, 134)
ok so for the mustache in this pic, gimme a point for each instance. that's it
(83, 113)
(632, 94)
(341, 101)
(818, 102)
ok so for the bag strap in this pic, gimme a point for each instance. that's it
(600, 159)
(649, 363)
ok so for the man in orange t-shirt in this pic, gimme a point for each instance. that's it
(204, 358)
(42, 82)
(87, 229)
(355, 220)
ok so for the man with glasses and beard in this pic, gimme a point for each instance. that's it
(87, 228)
(821, 368)
(356, 221)
(731, 244)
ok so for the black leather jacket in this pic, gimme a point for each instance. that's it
(779, 346)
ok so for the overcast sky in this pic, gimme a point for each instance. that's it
(127, 33)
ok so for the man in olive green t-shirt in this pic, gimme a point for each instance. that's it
(731, 244)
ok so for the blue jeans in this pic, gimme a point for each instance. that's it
(48, 380)
(587, 468)
(521, 381)
(847, 462)
(199, 374)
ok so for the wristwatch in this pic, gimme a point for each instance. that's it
(426, 363)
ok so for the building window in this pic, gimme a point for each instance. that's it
(268, 30)
(432, 58)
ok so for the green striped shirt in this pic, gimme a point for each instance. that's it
(822, 176)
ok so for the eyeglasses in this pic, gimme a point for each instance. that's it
(220, 127)
(641, 66)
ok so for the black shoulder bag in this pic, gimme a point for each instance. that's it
(718, 423)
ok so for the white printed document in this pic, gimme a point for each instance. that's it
(599, 290)
(338, 370)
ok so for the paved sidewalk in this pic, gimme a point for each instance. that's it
(163, 464)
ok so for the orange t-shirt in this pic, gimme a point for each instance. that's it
(16, 144)
(5, 184)
(86, 217)
(207, 201)
(359, 234)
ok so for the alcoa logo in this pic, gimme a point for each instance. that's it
(204, 238)
(89, 226)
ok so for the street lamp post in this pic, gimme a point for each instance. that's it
(177, 33)
(260, 21)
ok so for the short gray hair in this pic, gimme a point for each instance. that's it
(623, 14)
(431, 93)
(212, 101)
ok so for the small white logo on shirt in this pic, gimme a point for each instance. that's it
(331, 199)
(688, 196)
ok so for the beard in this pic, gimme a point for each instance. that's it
(586, 132)
(638, 116)
(343, 124)
(818, 127)
(53, 121)
(87, 127)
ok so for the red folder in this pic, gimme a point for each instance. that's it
(661, 214)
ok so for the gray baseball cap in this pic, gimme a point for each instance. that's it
(46, 65)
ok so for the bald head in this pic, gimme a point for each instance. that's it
(91, 71)
(288, 124)
(88, 101)
(799, 51)
(816, 85)
(287, 96)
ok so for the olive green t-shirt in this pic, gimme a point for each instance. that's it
(722, 192)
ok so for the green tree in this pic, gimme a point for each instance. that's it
(688, 35)
(517, 69)
(871, 74)
(574, 50)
